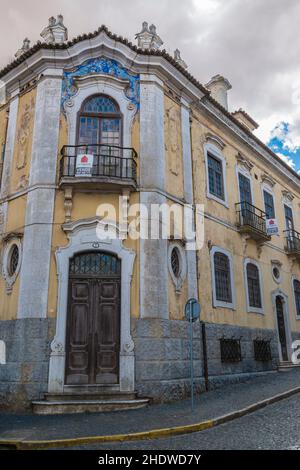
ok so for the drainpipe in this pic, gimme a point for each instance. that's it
(203, 326)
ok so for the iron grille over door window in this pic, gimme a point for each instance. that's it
(215, 176)
(254, 294)
(269, 205)
(222, 277)
(297, 296)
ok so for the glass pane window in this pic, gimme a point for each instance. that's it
(289, 222)
(269, 205)
(245, 189)
(222, 277)
(253, 282)
(100, 104)
(215, 176)
(95, 263)
(297, 296)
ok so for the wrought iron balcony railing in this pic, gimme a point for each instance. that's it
(252, 220)
(109, 162)
(292, 238)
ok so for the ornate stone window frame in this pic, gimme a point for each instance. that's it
(278, 265)
(178, 281)
(9, 244)
(218, 303)
(82, 237)
(216, 152)
(251, 309)
(97, 84)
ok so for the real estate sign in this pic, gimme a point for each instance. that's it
(272, 226)
(84, 164)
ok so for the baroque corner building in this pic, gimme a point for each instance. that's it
(82, 317)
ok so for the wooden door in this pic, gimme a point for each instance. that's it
(93, 321)
(281, 328)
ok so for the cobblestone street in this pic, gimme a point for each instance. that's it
(276, 427)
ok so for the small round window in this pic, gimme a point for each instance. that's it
(13, 260)
(175, 262)
(276, 274)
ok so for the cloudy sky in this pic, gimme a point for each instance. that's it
(253, 43)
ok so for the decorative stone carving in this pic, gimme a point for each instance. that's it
(68, 203)
(23, 134)
(25, 47)
(244, 161)
(268, 179)
(219, 87)
(23, 183)
(287, 195)
(55, 32)
(57, 348)
(9, 242)
(172, 145)
(179, 60)
(96, 66)
(148, 37)
(215, 140)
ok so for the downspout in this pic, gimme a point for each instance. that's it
(203, 326)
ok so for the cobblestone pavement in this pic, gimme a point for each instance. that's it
(276, 427)
(209, 405)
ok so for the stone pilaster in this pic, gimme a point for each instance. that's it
(188, 194)
(10, 144)
(33, 298)
(153, 264)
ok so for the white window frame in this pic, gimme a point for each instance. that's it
(295, 278)
(251, 309)
(178, 281)
(215, 152)
(219, 303)
(11, 279)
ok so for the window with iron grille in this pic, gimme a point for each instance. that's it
(215, 176)
(262, 350)
(222, 277)
(13, 261)
(297, 296)
(254, 294)
(175, 262)
(230, 350)
(269, 205)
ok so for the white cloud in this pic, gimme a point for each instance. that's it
(289, 161)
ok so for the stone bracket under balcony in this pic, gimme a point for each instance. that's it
(252, 222)
(114, 168)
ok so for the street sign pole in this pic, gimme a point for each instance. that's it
(192, 359)
(192, 313)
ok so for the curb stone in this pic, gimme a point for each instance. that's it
(146, 435)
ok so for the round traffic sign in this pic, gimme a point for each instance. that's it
(192, 310)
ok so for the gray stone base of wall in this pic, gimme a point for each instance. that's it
(24, 377)
(162, 352)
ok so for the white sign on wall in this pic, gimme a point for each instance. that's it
(84, 164)
(272, 226)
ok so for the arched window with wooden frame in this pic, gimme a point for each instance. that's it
(100, 122)
(222, 277)
(253, 284)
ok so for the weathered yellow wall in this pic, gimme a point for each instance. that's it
(218, 234)
(173, 148)
(23, 142)
(15, 223)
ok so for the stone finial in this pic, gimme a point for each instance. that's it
(245, 119)
(25, 47)
(148, 37)
(219, 87)
(55, 32)
(179, 60)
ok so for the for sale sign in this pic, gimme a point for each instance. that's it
(272, 226)
(84, 164)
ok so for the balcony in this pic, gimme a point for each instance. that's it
(252, 221)
(292, 247)
(113, 167)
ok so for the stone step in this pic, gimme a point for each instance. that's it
(287, 365)
(93, 396)
(86, 406)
